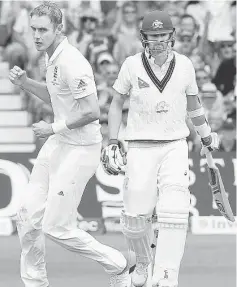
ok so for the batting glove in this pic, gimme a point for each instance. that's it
(113, 158)
(210, 143)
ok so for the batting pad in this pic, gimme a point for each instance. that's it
(139, 234)
(172, 212)
(170, 219)
(173, 225)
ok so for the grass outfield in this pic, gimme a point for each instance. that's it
(209, 261)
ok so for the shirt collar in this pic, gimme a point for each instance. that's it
(151, 60)
(57, 51)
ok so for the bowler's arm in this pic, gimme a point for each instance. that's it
(89, 112)
(37, 88)
(115, 114)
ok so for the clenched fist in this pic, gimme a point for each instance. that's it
(17, 76)
(42, 129)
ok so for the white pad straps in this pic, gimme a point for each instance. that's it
(173, 219)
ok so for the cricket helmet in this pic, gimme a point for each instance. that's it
(156, 22)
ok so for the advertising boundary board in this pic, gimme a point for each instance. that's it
(101, 203)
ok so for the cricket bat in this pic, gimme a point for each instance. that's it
(217, 188)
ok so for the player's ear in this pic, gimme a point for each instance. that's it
(59, 29)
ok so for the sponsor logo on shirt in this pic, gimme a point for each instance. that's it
(81, 85)
(55, 76)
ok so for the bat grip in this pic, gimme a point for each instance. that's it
(210, 161)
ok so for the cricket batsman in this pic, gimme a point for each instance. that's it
(162, 90)
(67, 160)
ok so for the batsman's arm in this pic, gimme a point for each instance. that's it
(197, 116)
(115, 114)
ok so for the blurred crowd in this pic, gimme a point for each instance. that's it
(106, 32)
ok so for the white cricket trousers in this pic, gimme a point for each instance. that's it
(56, 185)
(152, 165)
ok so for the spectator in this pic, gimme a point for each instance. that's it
(227, 137)
(149, 6)
(187, 43)
(188, 23)
(99, 45)
(218, 32)
(22, 51)
(72, 17)
(106, 96)
(126, 22)
(226, 73)
(229, 114)
(220, 25)
(200, 65)
(176, 10)
(197, 9)
(233, 17)
(8, 12)
(82, 37)
(188, 39)
(91, 38)
(202, 76)
(212, 101)
(103, 61)
(126, 33)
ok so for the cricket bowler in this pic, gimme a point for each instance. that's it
(67, 160)
(162, 90)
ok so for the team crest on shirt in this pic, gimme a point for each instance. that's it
(142, 84)
(55, 76)
(157, 24)
(162, 107)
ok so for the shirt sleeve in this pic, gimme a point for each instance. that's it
(79, 80)
(123, 82)
(192, 88)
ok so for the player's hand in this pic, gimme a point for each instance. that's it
(210, 143)
(113, 159)
(17, 76)
(42, 129)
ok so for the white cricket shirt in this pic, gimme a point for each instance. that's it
(69, 77)
(155, 114)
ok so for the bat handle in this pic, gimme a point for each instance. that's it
(210, 161)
